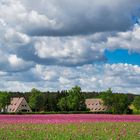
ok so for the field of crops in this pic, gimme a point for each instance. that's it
(69, 127)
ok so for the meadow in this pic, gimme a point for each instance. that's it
(70, 127)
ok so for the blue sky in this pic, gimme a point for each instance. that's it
(57, 44)
(123, 56)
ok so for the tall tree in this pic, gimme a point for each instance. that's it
(136, 102)
(51, 101)
(107, 97)
(120, 104)
(117, 103)
(36, 100)
(4, 100)
(74, 101)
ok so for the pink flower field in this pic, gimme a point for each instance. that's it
(67, 118)
(70, 127)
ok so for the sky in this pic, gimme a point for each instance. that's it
(54, 45)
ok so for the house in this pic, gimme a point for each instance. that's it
(95, 105)
(18, 104)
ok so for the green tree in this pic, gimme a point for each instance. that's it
(63, 106)
(74, 101)
(120, 104)
(136, 102)
(117, 103)
(4, 100)
(36, 100)
(51, 101)
(107, 97)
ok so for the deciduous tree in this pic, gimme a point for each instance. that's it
(4, 100)
(36, 100)
(136, 102)
(74, 101)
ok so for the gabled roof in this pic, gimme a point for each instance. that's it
(15, 104)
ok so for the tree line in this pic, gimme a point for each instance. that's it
(73, 100)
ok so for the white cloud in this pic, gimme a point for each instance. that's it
(16, 63)
(2, 73)
(17, 16)
(44, 74)
(17, 38)
(68, 50)
(62, 17)
(120, 77)
(129, 40)
(55, 44)
(2, 22)
(11, 63)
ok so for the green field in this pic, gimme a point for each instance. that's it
(75, 131)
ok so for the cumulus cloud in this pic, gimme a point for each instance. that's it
(120, 77)
(11, 63)
(60, 18)
(129, 40)
(56, 44)
(19, 19)
(68, 51)
(82, 17)
(18, 16)
(17, 38)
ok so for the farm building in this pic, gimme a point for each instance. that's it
(19, 104)
(95, 105)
